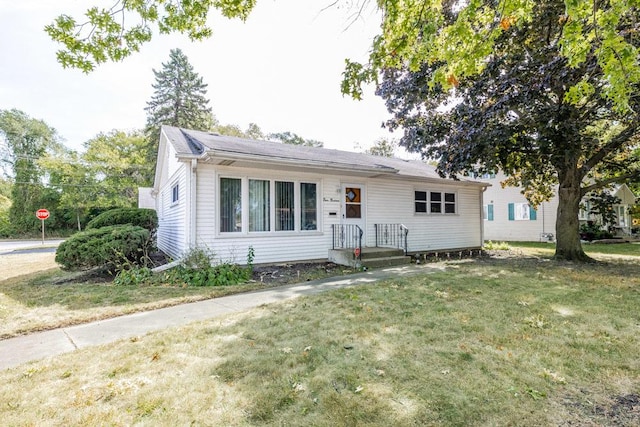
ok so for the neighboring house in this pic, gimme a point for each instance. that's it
(624, 222)
(509, 217)
(293, 203)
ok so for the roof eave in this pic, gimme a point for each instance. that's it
(325, 165)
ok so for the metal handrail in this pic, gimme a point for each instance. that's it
(347, 236)
(392, 235)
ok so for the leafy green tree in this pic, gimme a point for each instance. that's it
(112, 34)
(5, 205)
(601, 204)
(458, 36)
(383, 147)
(75, 182)
(254, 132)
(457, 39)
(530, 110)
(294, 139)
(228, 130)
(117, 167)
(26, 140)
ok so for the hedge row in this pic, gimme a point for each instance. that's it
(112, 246)
(145, 218)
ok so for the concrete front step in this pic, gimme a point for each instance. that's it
(370, 257)
(374, 253)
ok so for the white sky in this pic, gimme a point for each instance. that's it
(281, 69)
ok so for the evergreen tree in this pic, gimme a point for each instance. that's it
(180, 99)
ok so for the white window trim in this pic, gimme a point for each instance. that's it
(522, 211)
(442, 202)
(175, 186)
(244, 189)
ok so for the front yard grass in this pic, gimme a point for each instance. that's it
(598, 250)
(517, 341)
(36, 295)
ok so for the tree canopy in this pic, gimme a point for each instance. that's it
(26, 141)
(294, 139)
(529, 110)
(458, 35)
(112, 34)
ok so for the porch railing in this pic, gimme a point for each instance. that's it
(347, 236)
(392, 236)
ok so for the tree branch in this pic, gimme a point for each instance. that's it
(612, 146)
(635, 175)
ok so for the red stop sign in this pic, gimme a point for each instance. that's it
(42, 214)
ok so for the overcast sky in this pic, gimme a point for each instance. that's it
(281, 69)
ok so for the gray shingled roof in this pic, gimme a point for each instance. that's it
(191, 143)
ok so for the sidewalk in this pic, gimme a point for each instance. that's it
(27, 348)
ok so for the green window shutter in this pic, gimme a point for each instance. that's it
(532, 214)
(512, 214)
(490, 212)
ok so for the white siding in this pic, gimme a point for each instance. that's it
(270, 247)
(393, 202)
(503, 229)
(387, 201)
(172, 216)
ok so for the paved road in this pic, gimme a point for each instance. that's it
(9, 246)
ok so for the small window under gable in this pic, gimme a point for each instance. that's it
(175, 193)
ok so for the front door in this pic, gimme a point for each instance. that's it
(354, 207)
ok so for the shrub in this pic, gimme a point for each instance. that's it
(593, 231)
(135, 276)
(198, 268)
(145, 218)
(496, 246)
(112, 247)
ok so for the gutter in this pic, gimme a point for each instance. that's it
(193, 203)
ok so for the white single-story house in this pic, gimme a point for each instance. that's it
(294, 203)
(509, 217)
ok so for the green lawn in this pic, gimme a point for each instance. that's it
(622, 249)
(37, 295)
(516, 341)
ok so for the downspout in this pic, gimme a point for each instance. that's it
(481, 218)
(193, 203)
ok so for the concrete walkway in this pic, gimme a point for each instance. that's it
(27, 348)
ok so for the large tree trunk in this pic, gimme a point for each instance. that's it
(568, 246)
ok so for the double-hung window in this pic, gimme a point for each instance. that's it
(230, 205)
(262, 205)
(421, 202)
(285, 213)
(175, 193)
(521, 212)
(308, 206)
(259, 202)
